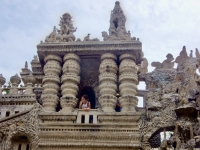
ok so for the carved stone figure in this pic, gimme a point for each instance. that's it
(143, 68)
(42, 114)
(105, 35)
(183, 96)
(87, 38)
(65, 34)
(166, 64)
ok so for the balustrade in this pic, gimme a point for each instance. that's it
(84, 116)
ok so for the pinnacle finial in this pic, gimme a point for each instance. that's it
(117, 3)
(26, 65)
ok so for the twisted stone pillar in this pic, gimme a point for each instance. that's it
(128, 80)
(51, 81)
(107, 82)
(70, 80)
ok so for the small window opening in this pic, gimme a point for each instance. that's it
(83, 119)
(140, 101)
(91, 119)
(27, 147)
(141, 85)
(169, 134)
(16, 112)
(7, 113)
(20, 147)
(115, 22)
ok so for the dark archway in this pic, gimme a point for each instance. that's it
(90, 92)
(20, 142)
(155, 139)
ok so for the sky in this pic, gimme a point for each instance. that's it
(163, 26)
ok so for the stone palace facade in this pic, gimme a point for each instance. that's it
(43, 114)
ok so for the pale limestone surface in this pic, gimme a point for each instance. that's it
(42, 114)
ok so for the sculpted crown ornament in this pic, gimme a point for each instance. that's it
(2, 80)
(65, 34)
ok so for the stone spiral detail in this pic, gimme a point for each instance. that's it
(51, 81)
(70, 80)
(107, 82)
(128, 83)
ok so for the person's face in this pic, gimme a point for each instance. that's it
(83, 100)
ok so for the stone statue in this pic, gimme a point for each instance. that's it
(197, 53)
(181, 58)
(52, 36)
(87, 38)
(143, 68)
(183, 95)
(166, 64)
(65, 34)
(26, 65)
(191, 53)
(105, 35)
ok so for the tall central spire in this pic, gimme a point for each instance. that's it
(117, 30)
(117, 17)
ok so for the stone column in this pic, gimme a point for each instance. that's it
(51, 81)
(128, 80)
(2, 82)
(70, 80)
(15, 81)
(29, 81)
(108, 82)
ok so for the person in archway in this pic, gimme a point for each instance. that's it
(84, 103)
(118, 106)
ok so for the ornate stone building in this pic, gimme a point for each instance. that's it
(43, 114)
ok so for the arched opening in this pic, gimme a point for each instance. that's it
(158, 136)
(90, 92)
(20, 142)
(115, 22)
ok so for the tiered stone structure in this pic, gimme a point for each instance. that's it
(128, 82)
(42, 114)
(108, 82)
(70, 81)
(51, 82)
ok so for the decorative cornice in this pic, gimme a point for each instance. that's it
(117, 119)
(88, 47)
(18, 102)
(105, 128)
(58, 118)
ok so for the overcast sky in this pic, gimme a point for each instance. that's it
(163, 26)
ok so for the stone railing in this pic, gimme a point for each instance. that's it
(21, 90)
(16, 99)
(89, 116)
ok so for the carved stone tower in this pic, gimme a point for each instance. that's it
(47, 115)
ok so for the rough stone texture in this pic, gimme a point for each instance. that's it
(108, 82)
(172, 103)
(70, 80)
(42, 114)
(51, 82)
(128, 82)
